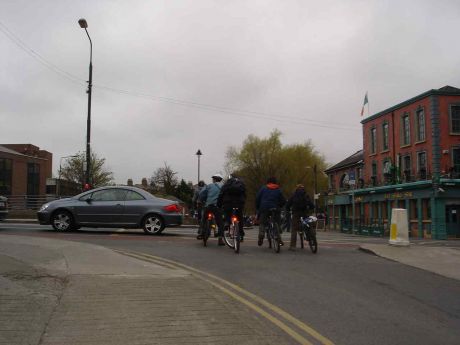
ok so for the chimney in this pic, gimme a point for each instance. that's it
(130, 182)
(144, 182)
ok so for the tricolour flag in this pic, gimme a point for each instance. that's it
(366, 101)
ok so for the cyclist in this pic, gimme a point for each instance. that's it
(233, 195)
(268, 197)
(208, 196)
(300, 204)
(197, 204)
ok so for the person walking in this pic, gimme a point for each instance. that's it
(300, 204)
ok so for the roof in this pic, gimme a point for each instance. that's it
(7, 150)
(443, 91)
(354, 159)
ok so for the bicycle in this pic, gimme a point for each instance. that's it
(209, 224)
(273, 231)
(232, 235)
(307, 233)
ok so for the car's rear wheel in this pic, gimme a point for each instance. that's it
(62, 220)
(153, 224)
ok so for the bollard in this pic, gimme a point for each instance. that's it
(399, 231)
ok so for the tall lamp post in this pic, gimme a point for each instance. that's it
(84, 25)
(198, 154)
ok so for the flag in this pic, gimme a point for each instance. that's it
(365, 102)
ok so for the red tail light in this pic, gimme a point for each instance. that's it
(209, 215)
(172, 208)
(234, 218)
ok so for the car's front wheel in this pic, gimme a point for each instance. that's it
(153, 224)
(62, 221)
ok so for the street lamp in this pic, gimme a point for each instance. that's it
(84, 25)
(60, 170)
(198, 154)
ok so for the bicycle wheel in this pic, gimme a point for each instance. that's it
(228, 235)
(269, 234)
(301, 235)
(313, 243)
(276, 238)
(206, 232)
(236, 237)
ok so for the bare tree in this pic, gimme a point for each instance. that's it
(164, 180)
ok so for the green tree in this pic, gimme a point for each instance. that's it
(260, 158)
(164, 180)
(99, 175)
(184, 192)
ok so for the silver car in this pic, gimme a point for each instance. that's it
(126, 207)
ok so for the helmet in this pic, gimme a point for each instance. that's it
(218, 177)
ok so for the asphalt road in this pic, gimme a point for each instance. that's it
(346, 295)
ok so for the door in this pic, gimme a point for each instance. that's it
(135, 206)
(453, 220)
(103, 208)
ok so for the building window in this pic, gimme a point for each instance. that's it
(385, 137)
(5, 176)
(456, 162)
(420, 119)
(33, 179)
(374, 174)
(421, 165)
(331, 181)
(405, 135)
(455, 119)
(373, 140)
(407, 168)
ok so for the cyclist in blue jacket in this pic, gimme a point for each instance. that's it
(268, 197)
(208, 197)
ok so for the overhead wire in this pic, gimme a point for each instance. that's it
(244, 113)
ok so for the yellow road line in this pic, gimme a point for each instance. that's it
(309, 330)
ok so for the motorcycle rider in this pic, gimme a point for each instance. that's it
(300, 204)
(268, 197)
(233, 195)
(208, 196)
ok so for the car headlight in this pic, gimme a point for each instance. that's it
(44, 207)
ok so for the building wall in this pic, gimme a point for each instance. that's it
(394, 120)
(28, 154)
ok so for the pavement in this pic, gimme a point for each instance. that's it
(440, 260)
(62, 292)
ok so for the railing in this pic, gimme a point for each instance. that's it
(366, 227)
(29, 202)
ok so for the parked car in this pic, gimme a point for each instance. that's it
(3, 207)
(126, 207)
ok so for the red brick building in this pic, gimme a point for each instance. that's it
(411, 156)
(24, 169)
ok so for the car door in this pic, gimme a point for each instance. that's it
(135, 205)
(101, 208)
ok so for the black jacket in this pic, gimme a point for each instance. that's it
(232, 194)
(299, 202)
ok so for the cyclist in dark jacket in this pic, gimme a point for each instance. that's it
(233, 195)
(300, 204)
(268, 197)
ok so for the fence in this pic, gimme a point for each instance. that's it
(29, 202)
(367, 227)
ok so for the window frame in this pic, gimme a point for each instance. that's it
(405, 130)
(385, 136)
(451, 129)
(418, 123)
(419, 167)
(373, 132)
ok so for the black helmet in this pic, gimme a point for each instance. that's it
(201, 184)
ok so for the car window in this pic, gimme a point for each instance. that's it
(85, 197)
(131, 195)
(109, 195)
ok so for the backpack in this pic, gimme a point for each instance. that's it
(235, 187)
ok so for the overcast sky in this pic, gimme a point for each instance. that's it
(199, 74)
